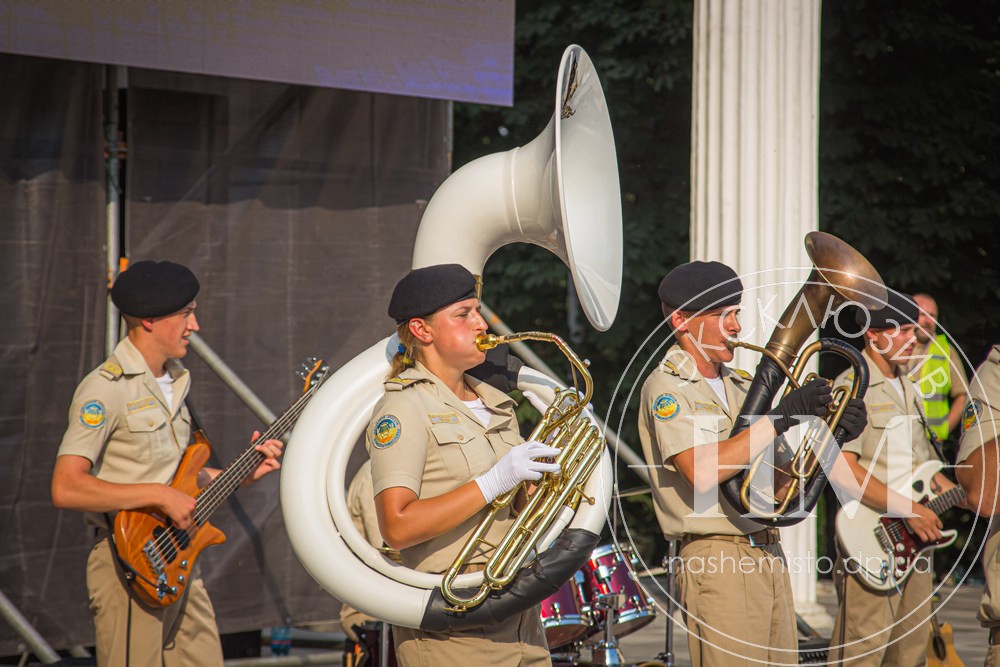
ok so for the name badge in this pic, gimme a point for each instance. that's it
(141, 404)
(444, 418)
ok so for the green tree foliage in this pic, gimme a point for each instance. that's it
(909, 134)
(642, 53)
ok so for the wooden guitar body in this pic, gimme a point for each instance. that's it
(159, 556)
(162, 556)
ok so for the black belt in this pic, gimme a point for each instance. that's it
(761, 538)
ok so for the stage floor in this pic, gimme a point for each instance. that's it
(960, 611)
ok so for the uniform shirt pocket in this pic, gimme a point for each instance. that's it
(464, 453)
(151, 434)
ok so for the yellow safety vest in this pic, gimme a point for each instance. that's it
(934, 385)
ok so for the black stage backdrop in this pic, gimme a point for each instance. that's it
(295, 206)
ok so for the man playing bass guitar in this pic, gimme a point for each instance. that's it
(128, 429)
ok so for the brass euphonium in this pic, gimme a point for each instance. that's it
(840, 275)
(566, 426)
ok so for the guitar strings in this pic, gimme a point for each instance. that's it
(936, 505)
(216, 491)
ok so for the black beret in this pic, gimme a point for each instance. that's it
(697, 286)
(424, 291)
(898, 310)
(154, 289)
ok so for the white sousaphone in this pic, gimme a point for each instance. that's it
(560, 192)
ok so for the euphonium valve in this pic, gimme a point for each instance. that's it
(566, 426)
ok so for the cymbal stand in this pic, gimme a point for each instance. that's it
(667, 657)
(606, 652)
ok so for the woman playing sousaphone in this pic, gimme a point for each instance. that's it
(443, 445)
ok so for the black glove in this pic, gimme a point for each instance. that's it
(854, 420)
(812, 398)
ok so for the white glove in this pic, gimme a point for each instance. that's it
(540, 405)
(517, 466)
(535, 400)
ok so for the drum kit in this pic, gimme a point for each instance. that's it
(599, 604)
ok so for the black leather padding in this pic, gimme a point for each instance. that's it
(535, 582)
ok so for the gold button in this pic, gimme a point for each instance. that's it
(149, 422)
(461, 437)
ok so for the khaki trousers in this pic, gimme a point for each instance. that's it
(878, 628)
(518, 640)
(737, 604)
(992, 657)
(181, 635)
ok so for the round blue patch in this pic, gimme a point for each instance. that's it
(666, 407)
(386, 431)
(93, 414)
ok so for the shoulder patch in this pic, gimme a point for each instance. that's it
(93, 414)
(386, 431)
(398, 383)
(742, 373)
(971, 414)
(666, 407)
(111, 370)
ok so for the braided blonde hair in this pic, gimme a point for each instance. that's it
(408, 357)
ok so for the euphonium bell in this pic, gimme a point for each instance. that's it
(840, 274)
(566, 426)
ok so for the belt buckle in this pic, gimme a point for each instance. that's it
(753, 540)
(765, 538)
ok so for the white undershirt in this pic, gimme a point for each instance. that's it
(479, 409)
(167, 387)
(719, 387)
(896, 384)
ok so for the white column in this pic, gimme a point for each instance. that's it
(754, 182)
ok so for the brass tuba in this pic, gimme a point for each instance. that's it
(566, 426)
(840, 275)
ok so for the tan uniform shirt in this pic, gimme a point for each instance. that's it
(895, 442)
(423, 438)
(981, 424)
(361, 505)
(119, 420)
(678, 410)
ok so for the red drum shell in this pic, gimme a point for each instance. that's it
(563, 616)
(607, 572)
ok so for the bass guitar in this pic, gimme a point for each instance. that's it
(879, 548)
(157, 556)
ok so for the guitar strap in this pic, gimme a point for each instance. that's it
(936, 446)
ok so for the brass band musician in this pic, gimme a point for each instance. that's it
(443, 445)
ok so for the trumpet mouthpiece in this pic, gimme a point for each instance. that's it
(488, 341)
